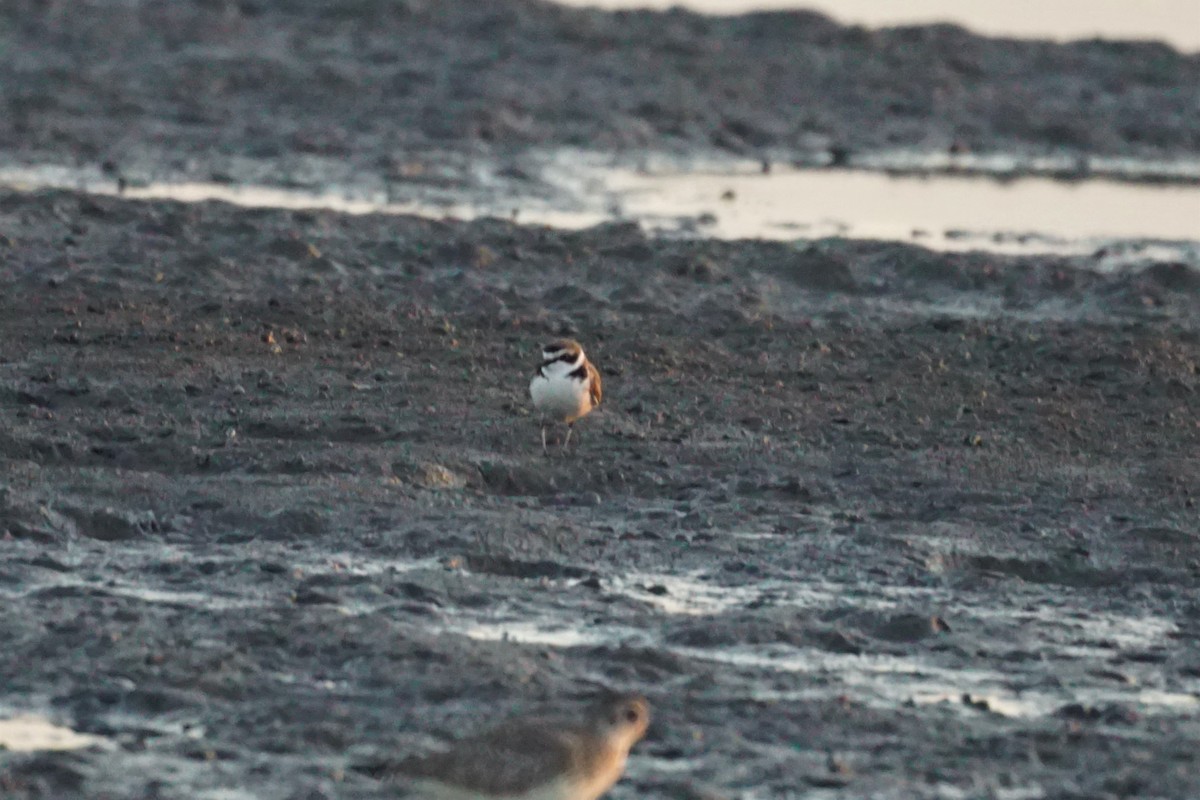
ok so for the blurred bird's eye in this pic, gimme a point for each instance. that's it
(632, 714)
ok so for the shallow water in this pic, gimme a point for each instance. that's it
(945, 213)
(1173, 21)
(29, 732)
(739, 200)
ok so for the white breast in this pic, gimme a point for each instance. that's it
(559, 395)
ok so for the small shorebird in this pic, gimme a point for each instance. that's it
(536, 758)
(566, 385)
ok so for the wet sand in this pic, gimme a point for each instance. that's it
(860, 518)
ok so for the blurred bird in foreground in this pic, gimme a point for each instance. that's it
(535, 758)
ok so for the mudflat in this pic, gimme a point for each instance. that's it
(198, 88)
(274, 498)
(860, 519)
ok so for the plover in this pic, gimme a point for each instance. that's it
(566, 385)
(536, 758)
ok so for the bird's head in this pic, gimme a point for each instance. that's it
(562, 349)
(624, 717)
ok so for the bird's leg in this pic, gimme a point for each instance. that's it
(570, 430)
(545, 450)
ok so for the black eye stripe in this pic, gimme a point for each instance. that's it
(560, 357)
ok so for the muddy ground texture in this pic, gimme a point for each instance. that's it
(155, 87)
(860, 519)
(272, 492)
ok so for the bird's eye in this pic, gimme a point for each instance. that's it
(632, 714)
